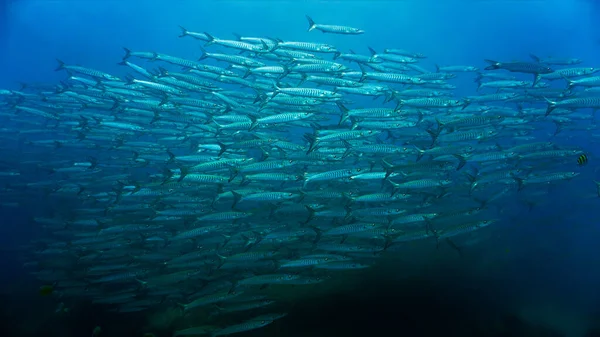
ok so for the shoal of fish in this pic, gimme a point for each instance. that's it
(199, 183)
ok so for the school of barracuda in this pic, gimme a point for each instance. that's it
(202, 183)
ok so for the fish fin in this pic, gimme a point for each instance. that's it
(535, 58)
(461, 161)
(211, 39)
(311, 23)
(454, 246)
(184, 32)
(551, 106)
(61, 65)
(127, 53)
(204, 54)
(536, 79)
(493, 65)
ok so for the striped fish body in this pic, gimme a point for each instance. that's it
(247, 326)
(520, 67)
(464, 228)
(350, 229)
(432, 102)
(568, 73)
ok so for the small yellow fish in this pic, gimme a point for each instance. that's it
(582, 160)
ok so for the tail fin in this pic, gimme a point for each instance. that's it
(127, 53)
(466, 103)
(493, 65)
(184, 32)
(211, 39)
(570, 82)
(344, 110)
(311, 23)
(204, 54)
(363, 73)
(420, 153)
(551, 106)
(61, 65)
(313, 142)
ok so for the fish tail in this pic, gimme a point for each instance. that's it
(466, 103)
(551, 106)
(388, 167)
(570, 82)
(520, 182)
(461, 161)
(344, 117)
(348, 150)
(184, 172)
(184, 32)
(395, 187)
(420, 152)
(311, 215)
(389, 96)
(311, 23)
(454, 246)
(493, 65)
(61, 65)
(182, 306)
(312, 140)
(204, 54)
(434, 134)
(472, 182)
(536, 79)
(223, 148)
(303, 79)
(236, 198)
(211, 39)
(127, 53)
(319, 233)
(363, 75)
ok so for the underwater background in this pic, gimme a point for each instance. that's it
(537, 275)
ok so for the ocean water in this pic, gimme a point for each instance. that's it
(535, 274)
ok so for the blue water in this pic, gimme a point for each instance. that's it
(547, 258)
